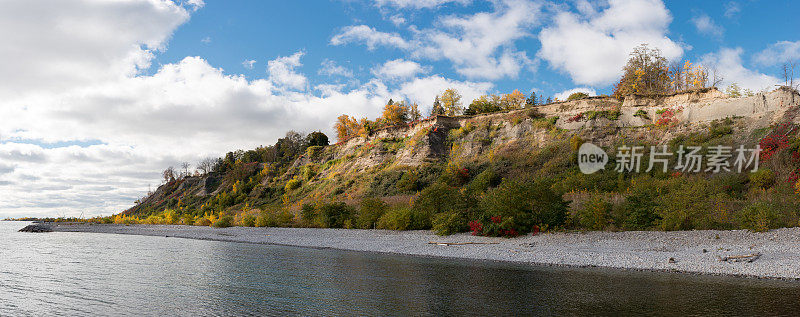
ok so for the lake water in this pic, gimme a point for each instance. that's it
(102, 274)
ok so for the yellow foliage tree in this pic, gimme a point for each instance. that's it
(395, 114)
(512, 101)
(346, 127)
(451, 102)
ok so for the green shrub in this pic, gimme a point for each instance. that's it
(308, 172)
(335, 215)
(515, 207)
(437, 198)
(577, 95)
(642, 114)
(370, 212)
(248, 221)
(223, 222)
(409, 182)
(292, 184)
(482, 182)
(595, 214)
(447, 223)
(384, 184)
(759, 217)
(308, 213)
(314, 150)
(763, 178)
(397, 219)
(202, 222)
(639, 211)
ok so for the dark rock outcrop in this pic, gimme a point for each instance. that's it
(37, 227)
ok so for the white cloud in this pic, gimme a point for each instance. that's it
(480, 45)
(593, 47)
(282, 72)
(371, 37)
(705, 25)
(728, 62)
(330, 68)
(565, 94)
(56, 45)
(732, 8)
(779, 53)
(249, 63)
(418, 4)
(424, 90)
(397, 20)
(399, 69)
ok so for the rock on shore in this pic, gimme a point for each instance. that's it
(36, 227)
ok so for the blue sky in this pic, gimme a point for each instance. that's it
(97, 97)
(227, 33)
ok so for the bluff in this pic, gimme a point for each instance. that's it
(396, 163)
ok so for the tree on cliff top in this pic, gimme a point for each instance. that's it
(646, 72)
(451, 102)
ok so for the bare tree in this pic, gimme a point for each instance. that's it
(788, 74)
(185, 167)
(168, 174)
(716, 77)
(207, 165)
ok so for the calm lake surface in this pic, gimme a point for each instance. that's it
(102, 274)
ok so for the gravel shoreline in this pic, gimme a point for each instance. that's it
(677, 251)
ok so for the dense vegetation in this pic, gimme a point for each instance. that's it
(508, 189)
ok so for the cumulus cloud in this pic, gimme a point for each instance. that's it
(330, 68)
(369, 36)
(183, 112)
(61, 44)
(705, 25)
(593, 45)
(779, 53)
(480, 45)
(424, 90)
(399, 68)
(282, 72)
(728, 62)
(565, 94)
(417, 4)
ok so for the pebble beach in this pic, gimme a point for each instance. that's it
(773, 254)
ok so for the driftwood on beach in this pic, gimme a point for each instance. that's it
(741, 258)
(459, 243)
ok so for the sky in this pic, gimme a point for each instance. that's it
(97, 97)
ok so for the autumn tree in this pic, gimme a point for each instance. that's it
(512, 101)
(437, 109)
(482, 104)
(577, 95)
(646, 72)
(451, 102)
(413, 112)
(395, 113)
(346, 127)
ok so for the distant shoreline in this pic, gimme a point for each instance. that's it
(636, 250)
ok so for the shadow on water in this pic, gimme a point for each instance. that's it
(79, 273)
